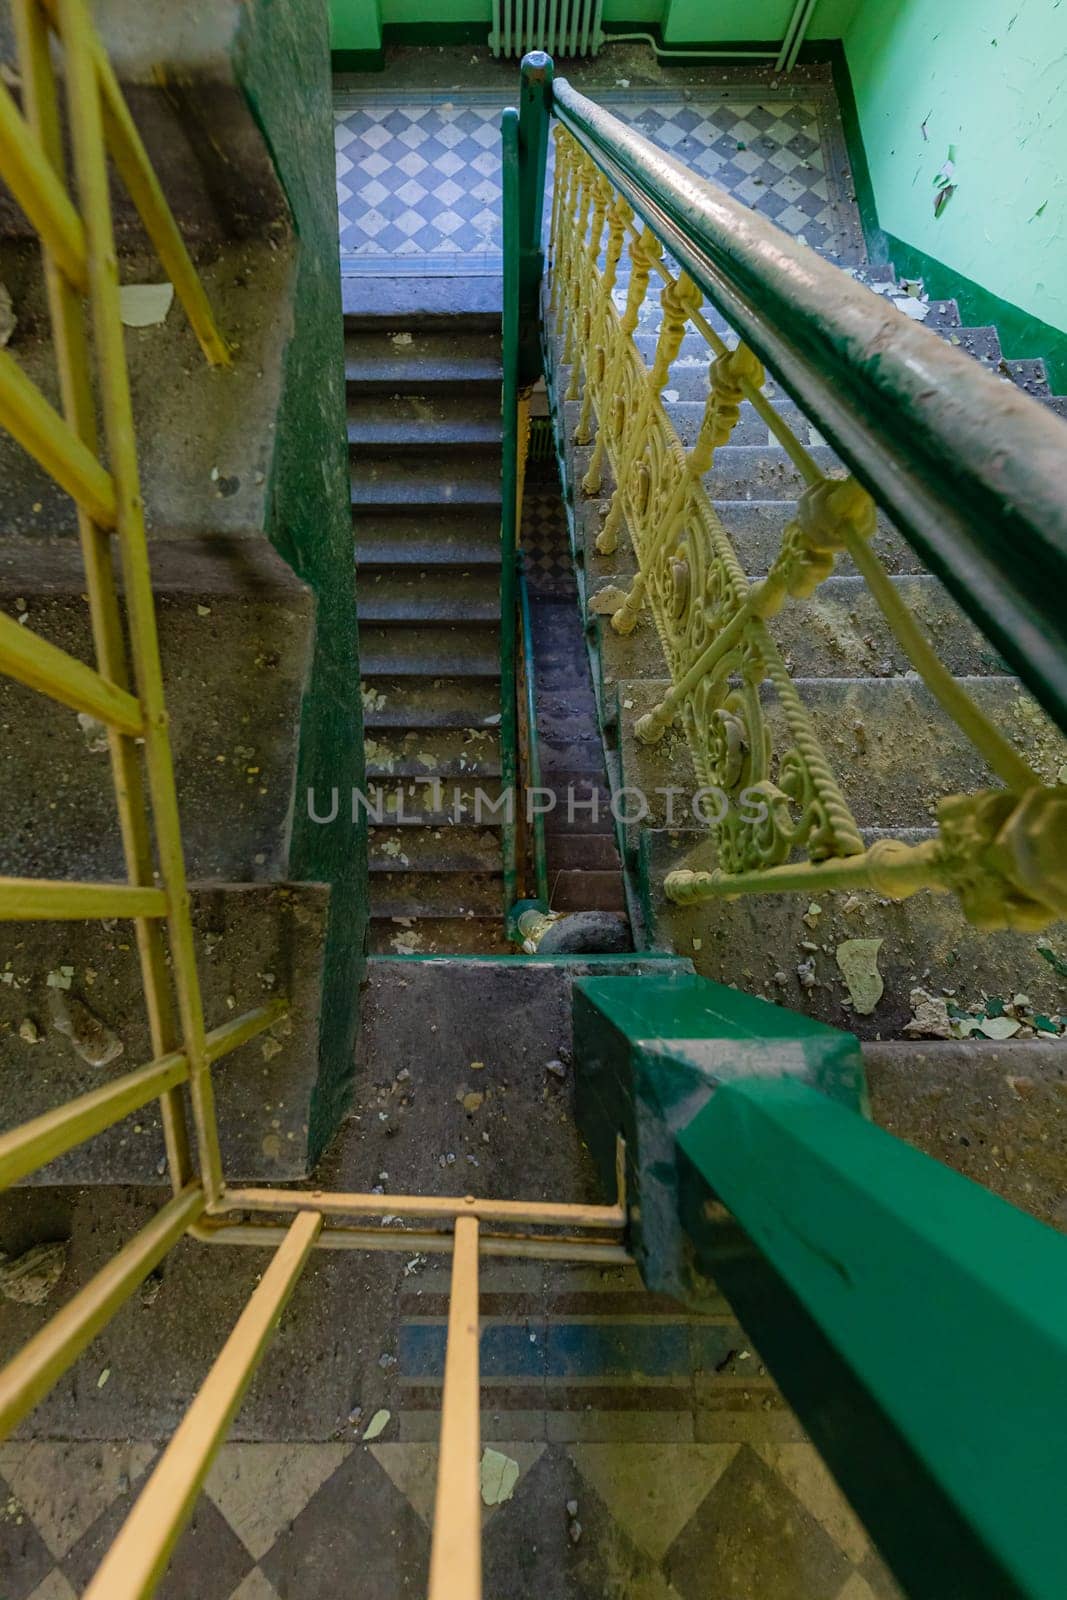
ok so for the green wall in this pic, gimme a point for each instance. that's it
(990, 79)
(695, 21)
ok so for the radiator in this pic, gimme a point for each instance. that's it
(562, 27)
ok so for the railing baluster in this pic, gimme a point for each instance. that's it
(72, 360)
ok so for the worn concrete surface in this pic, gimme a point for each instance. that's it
(254, 942)
(235, 654)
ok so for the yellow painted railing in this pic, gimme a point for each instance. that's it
(1003, 852)
(123, 689)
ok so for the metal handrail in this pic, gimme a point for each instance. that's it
(972, 471)
(533, 741)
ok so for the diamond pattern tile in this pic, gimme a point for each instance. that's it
(298, 1521)
(766, 151)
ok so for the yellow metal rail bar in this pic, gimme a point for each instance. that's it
(137, 1558)
(56, 900)
(522, 1246)
(456, 1552)
(537, 1213)
(35, 1143)
(41, 101)
(30, 176)
(30, 1375)
(90, 160)
(132, 160)
(24, 655)
(41, 431)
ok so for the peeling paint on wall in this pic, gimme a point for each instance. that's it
(990, 81)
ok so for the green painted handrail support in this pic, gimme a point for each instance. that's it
(524, 139)
(969, 468)
(916, 1323)
(533, 741)
(509, 484)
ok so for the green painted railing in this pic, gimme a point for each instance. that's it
(971, 473)
(509, 488)
(524, 151)
(916, 1323)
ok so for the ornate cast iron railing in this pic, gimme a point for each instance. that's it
(897, 405)
(124, 690)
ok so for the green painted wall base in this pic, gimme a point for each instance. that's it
(282, 64)
(650, 1052)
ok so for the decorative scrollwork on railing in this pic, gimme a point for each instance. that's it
(723, 661)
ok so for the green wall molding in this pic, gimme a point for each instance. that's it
(281, 61)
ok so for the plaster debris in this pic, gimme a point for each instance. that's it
(30, 1278)
(930, 1018)
(917, 310)
(60, 978)
(500, 1474)
(145, 305)
(8, 319)
(471, 1101)
(999, 1027)
(96, 740)
(806, 973)
(103, 1378)
(92, 1039)
(605, 602)
(402, 339)
(377, 1425)
(858, 960)
(556, 1069)
(29, 1032)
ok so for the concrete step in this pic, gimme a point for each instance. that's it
(585, 889)
(433, 752)
(255, 942)
(379, 479)
(418, 596)
(447, 802)
(427, 894)
(449, 849)
(407, 422)
(430, 703)
(580, 852)
(439, 935)
(400, 360)
(235, 638)
(430, 651)
(758, 942)
(451, 537)
(894, 751)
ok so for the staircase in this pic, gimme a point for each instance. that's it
(895, 752)
(424, 441)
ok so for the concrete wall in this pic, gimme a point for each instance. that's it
(989, 79)
(694, 21)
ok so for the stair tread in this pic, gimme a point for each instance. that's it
(430, 703)
(416, 421)
(420, 358)
(427, 894)
(414, 595)
(378, 478)
(443, 849)
(425, 753)
(438, 935)
(434, 650)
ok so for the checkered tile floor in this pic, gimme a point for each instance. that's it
(418, 180)
(653, 1521)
